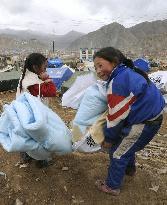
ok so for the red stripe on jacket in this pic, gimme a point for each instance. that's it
(115, 100)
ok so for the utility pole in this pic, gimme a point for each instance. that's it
(53, 47)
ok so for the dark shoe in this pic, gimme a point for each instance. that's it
(106, 189)
(25, 158)
(130, 171)
(42, 163)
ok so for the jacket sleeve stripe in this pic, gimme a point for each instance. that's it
(115, 103)
(116, 121)
(120, 111)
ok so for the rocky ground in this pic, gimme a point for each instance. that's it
(70, 179)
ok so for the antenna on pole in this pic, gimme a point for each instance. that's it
(53, 47)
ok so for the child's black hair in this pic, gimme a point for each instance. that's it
(34, 59)
(114, 55)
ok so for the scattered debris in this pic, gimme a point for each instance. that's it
(17, 164)
(18, 202)
(3, 174)
(154, 188)
(65, 188)
(23, 165)
(155, 151)
(65, 169)
(77, 201)
(162, 171)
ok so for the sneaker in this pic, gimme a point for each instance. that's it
(101, 185)
(130, 171)
(42, 163)
(25, 158)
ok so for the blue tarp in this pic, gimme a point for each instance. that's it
(142, 64)
(55, 63)
(59, 75)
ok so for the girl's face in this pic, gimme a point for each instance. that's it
(103, 68)
(41, 69)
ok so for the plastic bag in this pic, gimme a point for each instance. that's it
(86, 144)
(92, 106)
(159, 78)
(72, 98)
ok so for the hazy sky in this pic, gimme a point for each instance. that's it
(62, 16)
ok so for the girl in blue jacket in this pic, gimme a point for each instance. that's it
(134, 117)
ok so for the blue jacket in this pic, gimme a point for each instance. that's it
(131, 98)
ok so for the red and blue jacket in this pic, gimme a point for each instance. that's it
(131, 98)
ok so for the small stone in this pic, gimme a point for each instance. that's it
(3, 174)
(65, 188)
(154, 188)
(163, 171)
(23, 165)
(18, 202)
(65, 169)
(17, 164)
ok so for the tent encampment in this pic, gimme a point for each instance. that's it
(142, 64)
(59, 75)
(9, 80)
(55, 63)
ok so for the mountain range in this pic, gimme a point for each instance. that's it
(18, 40)
(146, 36)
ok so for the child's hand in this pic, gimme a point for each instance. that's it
(43, 76)
(106, 144)
(48, 80)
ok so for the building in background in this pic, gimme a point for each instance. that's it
(86, 54)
